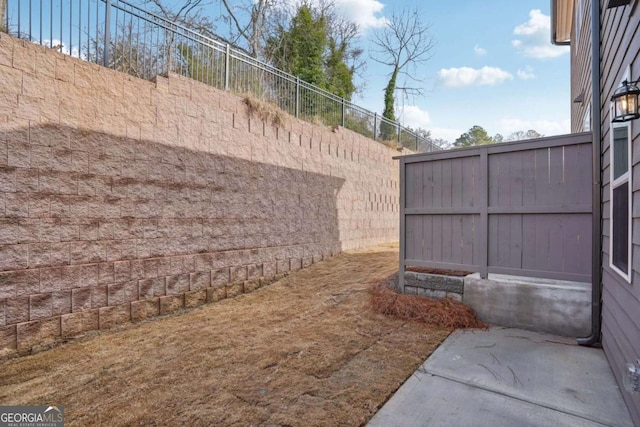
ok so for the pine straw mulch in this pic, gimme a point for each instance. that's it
(306, 350)
(444, 313)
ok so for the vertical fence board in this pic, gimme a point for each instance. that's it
(556, 191)
(411, 226)
(573, 190)
(494, 244)
(529, 245)
(541, 259)
(414, 186)
(529, 160)
(578, 230)
(447, 234)
(437, 184)
(541, 179)
(468, 182)
(447, 184)
(467, 240)
(516, 178)
(496, 184)
(427, 237)
(436, 237)
(420, 242)
(585, 179)
(457, 174)
(456, 239)
(477, 247)
(556, 242)
(427, 184)
(515, 242)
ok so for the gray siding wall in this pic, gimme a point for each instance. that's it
(581, 69)
(621, 300)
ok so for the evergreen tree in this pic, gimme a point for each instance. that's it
(306, 50)
(477, 135)
(299, 50)
(339, 76)
(309, 40)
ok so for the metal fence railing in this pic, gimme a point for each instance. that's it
(122, 36)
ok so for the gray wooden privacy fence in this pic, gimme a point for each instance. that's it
(518, 208)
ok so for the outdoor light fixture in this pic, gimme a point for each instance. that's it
(625, 102)
(631, 378)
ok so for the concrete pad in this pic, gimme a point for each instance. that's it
(508, 377)
(449, 403)
(556, 307)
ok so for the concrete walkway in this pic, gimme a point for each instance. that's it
(508, 377)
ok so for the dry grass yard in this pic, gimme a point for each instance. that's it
(307, 350)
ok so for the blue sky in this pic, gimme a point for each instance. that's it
(493, 65)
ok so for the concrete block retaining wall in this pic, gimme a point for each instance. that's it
(122, 199)
(434, 285)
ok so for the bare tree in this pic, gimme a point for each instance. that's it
(249, 22)
(189, 14)
(402, 44)
(345, 33)
(3, 8)
(522, 135)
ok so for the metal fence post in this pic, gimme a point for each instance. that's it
(227, 66)
(170, 34)
(297, 96)
(375, 125)
(4, 17)
(342, 111)
(107, 32)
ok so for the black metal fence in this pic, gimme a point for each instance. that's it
(120, 35)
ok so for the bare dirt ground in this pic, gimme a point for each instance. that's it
(307, 350)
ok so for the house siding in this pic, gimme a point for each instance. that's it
(581, 70)
(620, 41)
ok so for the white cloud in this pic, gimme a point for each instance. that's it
(365, 13)
(526, 74)
(479, 50)
(447, 134)
(537, 22)
(62, 47)
(414, 117)
(545, 127)
(533, 37)
(466, 76)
